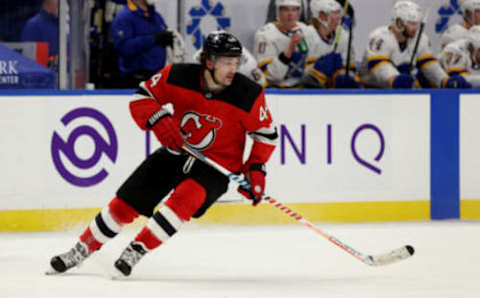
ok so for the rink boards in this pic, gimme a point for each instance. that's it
(342, 156)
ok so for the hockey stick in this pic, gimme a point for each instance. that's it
(349, 47)
(340, 27)
(419, 36)
(372, 260)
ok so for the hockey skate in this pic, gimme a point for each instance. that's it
(73, 257)
(130, 257)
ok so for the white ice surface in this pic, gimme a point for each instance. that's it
(272, 261)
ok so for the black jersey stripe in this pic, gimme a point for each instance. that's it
(270, 136)
(241, 94)
(164, 223)
(142, 91)
(102, 226)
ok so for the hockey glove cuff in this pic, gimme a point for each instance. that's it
(328, 64)
(166, 129)
(255, 175)
(164, 38)
(402, 81)
(457, 82)
(346, 82)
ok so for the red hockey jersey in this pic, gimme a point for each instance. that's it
(215, 123)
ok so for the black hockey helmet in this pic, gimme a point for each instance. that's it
(221, 43)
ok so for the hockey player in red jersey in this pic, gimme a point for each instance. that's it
(214, 108)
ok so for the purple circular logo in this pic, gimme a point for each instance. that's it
(109, 147)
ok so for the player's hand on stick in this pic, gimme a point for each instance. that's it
(457, 82)
(255, 175)
(344, 81)
(167, 130)
(403, 81)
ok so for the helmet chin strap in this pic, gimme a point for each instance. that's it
(329, 33)
(325, 23)
(400, 30)
(212, 74)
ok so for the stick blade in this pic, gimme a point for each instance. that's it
(51, 271)
(393, 256)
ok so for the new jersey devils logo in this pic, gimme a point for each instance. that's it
(200, 129)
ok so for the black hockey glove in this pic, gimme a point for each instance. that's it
(164, 38)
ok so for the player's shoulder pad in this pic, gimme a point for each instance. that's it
(310, 29)
(265, 29)
(247, 59)
(307, 29)
(455, 28)
(247, 55)
(380, 39)
(425, 40)
(310, 33)
(302, 25)
(185, 75)
(242, 93)
(457, 47)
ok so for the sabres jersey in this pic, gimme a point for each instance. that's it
(453, 33)
(322, 47)
(270, 41)
(384, 59)
(216, 123)
(456, 60)
(249, 68)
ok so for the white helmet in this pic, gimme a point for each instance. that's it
(279, 3)
(455, 54)
(407, 11)
(474, 37)
(326, 6)
(469, 5)
(453, 33)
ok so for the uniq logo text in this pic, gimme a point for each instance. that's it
(299, 146)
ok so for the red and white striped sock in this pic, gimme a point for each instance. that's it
(107, 224)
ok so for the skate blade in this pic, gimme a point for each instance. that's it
(52, 271)
(118, 277)
(116, 274)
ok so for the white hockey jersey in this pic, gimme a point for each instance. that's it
(384, 59)
(248, 67)
(456, 60)
(270, 42)
(453, 33)
(323, 47)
